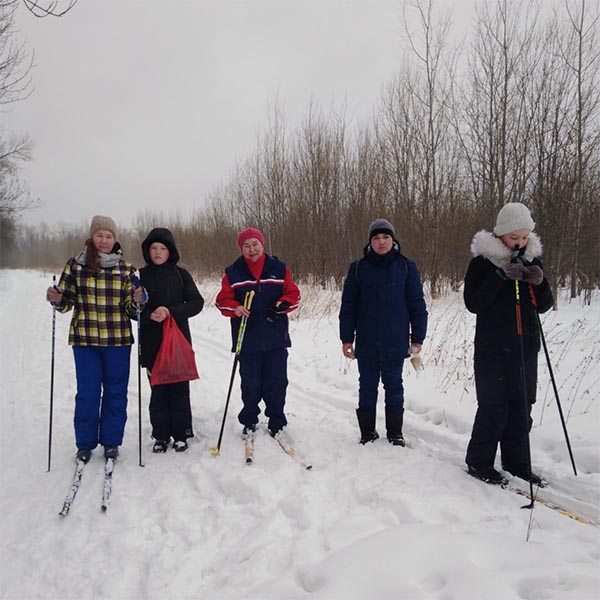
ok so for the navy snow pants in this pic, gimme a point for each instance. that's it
(389, 371)
(264, 377)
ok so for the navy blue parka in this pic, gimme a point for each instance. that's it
(383, 309)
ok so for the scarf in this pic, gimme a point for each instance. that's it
(106, 260)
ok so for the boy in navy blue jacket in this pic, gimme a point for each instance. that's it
(383, 318)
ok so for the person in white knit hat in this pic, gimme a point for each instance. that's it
(513, 217)
(510, 254)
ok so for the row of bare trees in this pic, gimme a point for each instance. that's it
(511, 116)
(15, 149)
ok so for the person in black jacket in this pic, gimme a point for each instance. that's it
(511, 253)
(383, 311)
(171, 290)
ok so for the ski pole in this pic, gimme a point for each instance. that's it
(52, 377)
(139, 365)
(547, 354)
(215, 450)
(523, 378)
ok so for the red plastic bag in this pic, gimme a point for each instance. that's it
(175, 360)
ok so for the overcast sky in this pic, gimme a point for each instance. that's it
(148, 105)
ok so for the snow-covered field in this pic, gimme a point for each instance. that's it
(373, 522)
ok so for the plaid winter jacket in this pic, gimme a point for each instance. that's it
(102, 303)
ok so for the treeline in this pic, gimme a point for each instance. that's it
(511, 116)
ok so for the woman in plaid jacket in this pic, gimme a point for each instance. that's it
(100, 288)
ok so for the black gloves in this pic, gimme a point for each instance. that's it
(277, 310)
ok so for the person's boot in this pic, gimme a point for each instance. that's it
(366, 422)
(523, 472)
(84, 455)
(487, 475)
(180, 445)
(160, 446)
(111, 452)
(394, 418)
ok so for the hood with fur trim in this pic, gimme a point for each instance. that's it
(486, 244)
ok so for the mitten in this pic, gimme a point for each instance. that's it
(514, 271)
(534, 275)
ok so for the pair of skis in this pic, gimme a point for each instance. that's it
(549, 498)
(283, 441)
(109, 464)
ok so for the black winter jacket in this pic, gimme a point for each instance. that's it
(493, 298)
(167, 285)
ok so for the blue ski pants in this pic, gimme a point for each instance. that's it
(101, 400)
(264, 377)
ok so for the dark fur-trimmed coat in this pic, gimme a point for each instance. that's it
(493, 298)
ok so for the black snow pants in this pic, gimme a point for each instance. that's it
(501, 417)
(171, 412)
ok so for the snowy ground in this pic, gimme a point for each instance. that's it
(367, 522)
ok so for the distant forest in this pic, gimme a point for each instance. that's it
(514, 115)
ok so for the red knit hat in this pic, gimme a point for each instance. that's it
(248, 234)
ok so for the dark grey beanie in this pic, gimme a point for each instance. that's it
(381, 226)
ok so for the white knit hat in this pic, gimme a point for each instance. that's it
(512, 217)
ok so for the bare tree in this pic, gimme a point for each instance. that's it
(582, 58)
(423, 120)
(494, 124)
(49, 8)
(15, 84)
(15, 61)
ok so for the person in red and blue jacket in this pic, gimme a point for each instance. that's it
(263, 356)
(383, 318)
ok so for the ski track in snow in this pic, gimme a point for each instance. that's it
(366, 522)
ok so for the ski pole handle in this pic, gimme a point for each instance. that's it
(137, 284)
(56, 288)
(247, 304)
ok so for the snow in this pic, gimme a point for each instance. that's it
(367, 522)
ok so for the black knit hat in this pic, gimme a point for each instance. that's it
(381, 226)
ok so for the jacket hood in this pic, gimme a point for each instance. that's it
(489, 246)
(162, 236)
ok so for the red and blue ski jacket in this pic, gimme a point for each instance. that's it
(265, 328)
